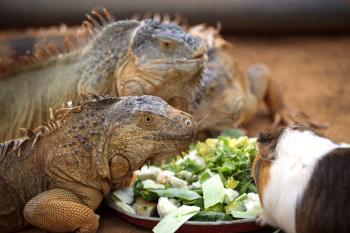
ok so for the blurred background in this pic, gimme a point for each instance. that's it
(235, 15)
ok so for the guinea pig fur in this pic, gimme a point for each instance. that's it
(303, 181)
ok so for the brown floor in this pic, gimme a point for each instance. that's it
(314, 75)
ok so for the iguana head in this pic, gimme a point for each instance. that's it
(159, 54)
(144, 129)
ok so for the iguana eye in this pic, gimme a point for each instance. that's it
(167, 44)
(148, 120)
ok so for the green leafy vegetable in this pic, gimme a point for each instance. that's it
(150, 184)
(174, 192)
(243, 214)
(213, 191)
(175, 219)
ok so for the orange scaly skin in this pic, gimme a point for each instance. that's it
(57, 175)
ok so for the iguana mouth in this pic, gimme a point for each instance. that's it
(176, 145)
(180, 63)
(157, 158)
(169, 137)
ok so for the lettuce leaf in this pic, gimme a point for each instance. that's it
(213, 191)
(175, 219)
(179, 193)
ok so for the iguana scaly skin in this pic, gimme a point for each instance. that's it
(153, 53)
(56, 176)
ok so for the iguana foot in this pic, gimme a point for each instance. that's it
(266, 90)
(59, 210)
(289, 115)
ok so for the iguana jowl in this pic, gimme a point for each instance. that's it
(56, 176)
(151, 52)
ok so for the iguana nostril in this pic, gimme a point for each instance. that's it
(188, 123)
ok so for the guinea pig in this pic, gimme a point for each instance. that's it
(303, 180)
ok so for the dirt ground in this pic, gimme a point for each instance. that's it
(314, 75)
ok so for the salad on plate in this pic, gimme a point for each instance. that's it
(210, 183)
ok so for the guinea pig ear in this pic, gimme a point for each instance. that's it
(265, 138)
(267, 142)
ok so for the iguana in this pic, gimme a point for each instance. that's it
(56, 176)
(191, 68)
(220, 96)
(116, 53)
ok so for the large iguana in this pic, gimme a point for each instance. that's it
(56, 176)
(143, 57)
(116, 53)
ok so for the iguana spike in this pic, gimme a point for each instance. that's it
(178, 19)
(96, 24)
(37, 136)
(136, 17)
(157, 17)
(39, 54)
(89, 28)
(3, 147)
(51, 114)
(107, 15)
(63, 112)
(148, 15)
(70, 43)
(102, 20)
(66, 43)
(87, 97)
(53, 48)
(218, 27)
(166, 18)
(26, 133)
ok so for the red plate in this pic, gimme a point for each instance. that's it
(234, 226)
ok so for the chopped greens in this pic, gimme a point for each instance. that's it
(212, 182)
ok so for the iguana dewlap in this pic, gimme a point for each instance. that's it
(56, 176)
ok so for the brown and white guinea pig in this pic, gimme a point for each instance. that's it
(303, 181)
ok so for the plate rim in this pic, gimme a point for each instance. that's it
(199, 223)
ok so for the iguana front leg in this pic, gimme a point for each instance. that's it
(59, 210)
(266, 90)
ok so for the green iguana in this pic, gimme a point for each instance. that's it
(116, 53)
(56, 176)
(192, 69)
